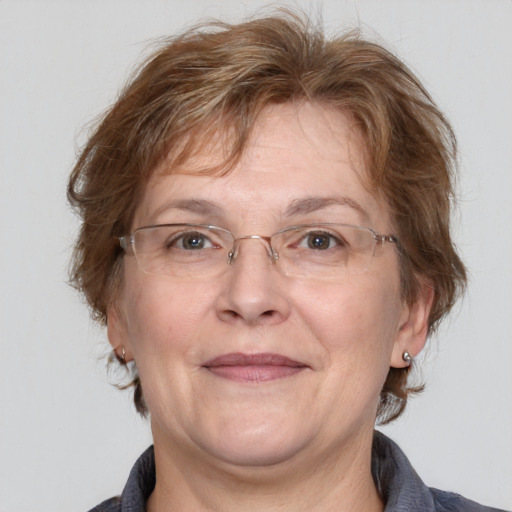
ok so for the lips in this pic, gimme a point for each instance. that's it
(262, 367)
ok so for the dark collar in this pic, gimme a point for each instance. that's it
(399, 485)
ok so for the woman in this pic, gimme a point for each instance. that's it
(266, 236)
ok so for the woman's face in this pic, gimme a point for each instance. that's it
(341, 336)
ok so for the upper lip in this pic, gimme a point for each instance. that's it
(261, 359)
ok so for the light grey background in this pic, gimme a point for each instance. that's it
(67, 437)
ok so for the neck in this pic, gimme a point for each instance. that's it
(338, 481)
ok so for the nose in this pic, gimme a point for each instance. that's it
(254, 293)
(264, 239)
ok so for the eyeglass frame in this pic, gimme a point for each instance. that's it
(127, 242)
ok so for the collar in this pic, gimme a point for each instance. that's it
(399, 485)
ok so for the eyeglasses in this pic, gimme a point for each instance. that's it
(197, 251)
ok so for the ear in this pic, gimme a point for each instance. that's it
(413, 325)
(117, 333)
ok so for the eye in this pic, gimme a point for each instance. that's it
(320, 241)
(189, 241)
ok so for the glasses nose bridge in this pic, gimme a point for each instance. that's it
(266, 240)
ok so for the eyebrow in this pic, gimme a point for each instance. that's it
(199, 206)
(311, 204)
(300, 206)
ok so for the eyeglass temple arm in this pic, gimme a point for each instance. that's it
(386, 238)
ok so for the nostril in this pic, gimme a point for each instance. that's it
(233, 314)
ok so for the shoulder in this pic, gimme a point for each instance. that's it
(138, 488)
(111, 505)
(452, 502)
(403, 490)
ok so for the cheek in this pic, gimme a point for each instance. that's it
(355, 321)
(161, 317)
(356, 326)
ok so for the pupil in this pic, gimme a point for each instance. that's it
(318, 242)
(193, 242)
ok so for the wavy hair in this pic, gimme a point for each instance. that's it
(218, 78)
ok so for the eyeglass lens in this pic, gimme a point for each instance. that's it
(321, 251)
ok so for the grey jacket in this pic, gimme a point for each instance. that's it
(400, 487)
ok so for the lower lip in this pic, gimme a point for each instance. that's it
(255, 373)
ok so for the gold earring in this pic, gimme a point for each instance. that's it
(121, 359)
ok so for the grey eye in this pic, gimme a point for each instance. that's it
(190, 241)
(193, 241)
(318, 241)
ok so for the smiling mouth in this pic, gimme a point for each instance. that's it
(254, 367)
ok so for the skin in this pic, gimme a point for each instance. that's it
(297, 443)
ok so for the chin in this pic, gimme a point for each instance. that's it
(263, 444)
(259, 454)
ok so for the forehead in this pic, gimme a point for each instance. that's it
(297, 155)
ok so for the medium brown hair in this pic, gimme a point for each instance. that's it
(218, 78)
